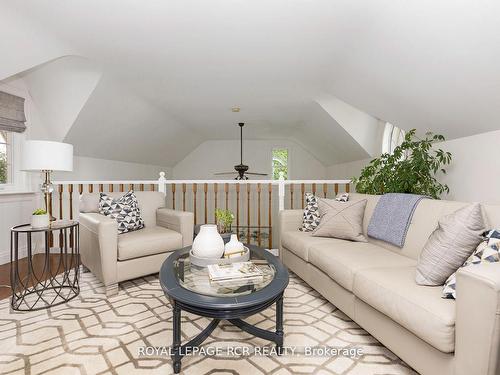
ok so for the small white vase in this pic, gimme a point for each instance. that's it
(233, 246)
(208, 243)
(40, 221)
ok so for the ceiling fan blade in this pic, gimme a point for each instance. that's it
(257, 174)
(225, 173)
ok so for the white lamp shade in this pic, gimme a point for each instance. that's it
(47, 155)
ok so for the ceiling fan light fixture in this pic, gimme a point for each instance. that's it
(235, 109)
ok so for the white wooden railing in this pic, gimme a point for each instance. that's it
(255, 203)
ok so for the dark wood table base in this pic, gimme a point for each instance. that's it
(233, 316)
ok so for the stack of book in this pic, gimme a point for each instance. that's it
(234, 273)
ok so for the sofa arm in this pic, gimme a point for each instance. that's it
(290, 220)
(180, 221)
(477, 330)
(99, 246)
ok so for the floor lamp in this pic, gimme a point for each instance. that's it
(46, 157)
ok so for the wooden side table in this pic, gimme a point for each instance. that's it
(37, 289)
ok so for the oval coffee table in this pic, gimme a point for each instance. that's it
(189, 288)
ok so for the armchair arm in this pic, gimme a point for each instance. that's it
(180, 221)
(477, 330)
(99, 246)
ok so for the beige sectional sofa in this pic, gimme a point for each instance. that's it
(114, 258)
(374, 284)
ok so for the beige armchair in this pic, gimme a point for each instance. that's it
(114, 258)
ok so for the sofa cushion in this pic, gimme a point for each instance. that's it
(342, 259)
(148, 241)
(456, 237)
(342, 220)
(420, 309)
(299, 242)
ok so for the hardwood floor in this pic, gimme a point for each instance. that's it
(38, 263)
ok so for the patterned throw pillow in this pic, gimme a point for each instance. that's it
(125, 210)
(310, 217)
(342, 197)
(487, 251)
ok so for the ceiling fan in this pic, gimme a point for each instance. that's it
(241, 168)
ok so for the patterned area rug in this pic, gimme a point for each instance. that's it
(93, 334)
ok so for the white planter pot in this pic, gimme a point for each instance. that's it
(40, 221)
(233, 246)
(208, 243)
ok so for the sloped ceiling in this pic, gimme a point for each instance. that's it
(172, 70)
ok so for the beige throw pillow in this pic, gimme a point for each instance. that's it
(456, 237)
(341, 219)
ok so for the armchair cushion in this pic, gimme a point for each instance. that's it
(148, 241)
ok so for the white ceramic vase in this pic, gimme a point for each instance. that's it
(208, 243)
(40, 221)
(233, 246)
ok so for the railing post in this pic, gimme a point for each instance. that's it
(162, 183)
(281, 191)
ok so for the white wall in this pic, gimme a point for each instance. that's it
(101, 169)
(474, 173)
(221, 156)
(346, 170)
(472, 176)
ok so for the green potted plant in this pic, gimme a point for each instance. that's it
(411, 168)
(40, 218)
(224, 220)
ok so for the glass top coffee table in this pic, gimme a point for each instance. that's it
(188, 287)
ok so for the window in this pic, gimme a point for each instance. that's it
(280, 163)
(5, 157)
(393, 137)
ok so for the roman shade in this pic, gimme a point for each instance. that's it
(12, 113)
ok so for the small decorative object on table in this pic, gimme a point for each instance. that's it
(40, 218)
(224, 219)
(208, 246)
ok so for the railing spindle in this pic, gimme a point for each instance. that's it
(111, 188)
(183, 197)
(270, 216)
(291, 196)
(101, 188)
(80, 189)
(91, 188)
(347, 188)
(121, 188)
(303, 192)
(141, 187)
(173, 196)
(205, 190)
(70, 191)
(258, 215)
(237, 205)
(195, 189)
(131, 186)
(215, 202)
(152, 187)
(226, 191)
(336, 189)
(248, 213)
(325, 190)
(314, 189)
(60, 190)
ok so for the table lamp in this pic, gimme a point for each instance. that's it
(46, 157)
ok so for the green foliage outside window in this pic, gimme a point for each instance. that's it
(280, 163)
(3, 168)
(3, 158)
